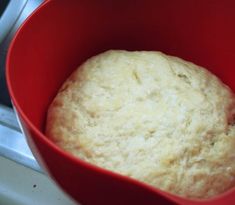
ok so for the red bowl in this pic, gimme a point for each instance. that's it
(61, 34)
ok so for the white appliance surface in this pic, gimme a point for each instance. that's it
(20, 185)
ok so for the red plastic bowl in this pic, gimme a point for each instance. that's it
(61, 34)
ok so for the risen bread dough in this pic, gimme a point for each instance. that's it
(150, 116)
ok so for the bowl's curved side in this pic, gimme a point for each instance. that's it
(84, 182)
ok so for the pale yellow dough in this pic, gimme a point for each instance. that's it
(153, 117)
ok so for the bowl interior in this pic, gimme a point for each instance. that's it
(61, 35)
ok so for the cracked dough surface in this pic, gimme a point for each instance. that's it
(153, 117)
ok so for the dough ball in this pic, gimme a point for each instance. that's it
(153, 117)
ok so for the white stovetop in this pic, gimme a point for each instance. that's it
(20, 185)
(22, 181)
